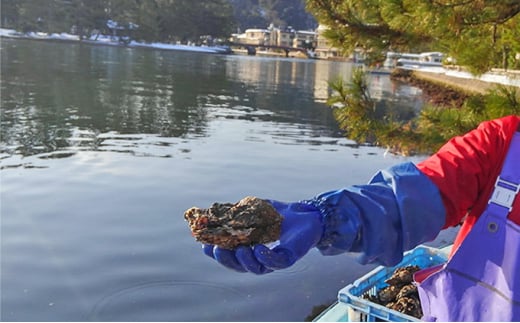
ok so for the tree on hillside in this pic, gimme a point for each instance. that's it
(148, 20)
(281, 13)
(248, 14)
(82, 16)
(188, 20)
(25, 15)
(480, 34)
(285, 13)
(158, 20)
(10, 13)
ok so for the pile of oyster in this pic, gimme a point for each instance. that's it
(400, 294)
(249, 221)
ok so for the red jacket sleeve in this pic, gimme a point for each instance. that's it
(466, 167)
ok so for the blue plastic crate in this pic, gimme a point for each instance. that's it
(362, 309)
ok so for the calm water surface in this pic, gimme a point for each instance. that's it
(102, 150)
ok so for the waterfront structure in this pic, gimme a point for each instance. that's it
(304, 39)
(256, 36)
(412, 60)
(273, 36)
(324, 50)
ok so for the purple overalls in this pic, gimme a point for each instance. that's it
(481, 281)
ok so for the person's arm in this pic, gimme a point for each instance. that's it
(406, 205)
(397, 210)
(401, 207)
(465, 168)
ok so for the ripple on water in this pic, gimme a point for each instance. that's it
(149, 301)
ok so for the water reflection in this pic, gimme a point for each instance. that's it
(57, 99)
(384, 89)
(158, 297)
(75, 97)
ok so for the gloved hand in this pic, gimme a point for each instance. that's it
(302, 228)
(397, 210)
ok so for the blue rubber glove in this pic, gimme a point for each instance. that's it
(302, 229)
(397, 210)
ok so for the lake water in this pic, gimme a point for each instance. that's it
(104, 148)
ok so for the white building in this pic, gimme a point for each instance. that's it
(257, 36)
(304, 39)
(324, 49)
(281, 37)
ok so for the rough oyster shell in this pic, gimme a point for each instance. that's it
(247, 222)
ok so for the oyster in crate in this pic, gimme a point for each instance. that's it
(401, 293)
(402, 276)
(247, 222)
(408, 305)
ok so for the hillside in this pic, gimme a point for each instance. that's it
(261, 13)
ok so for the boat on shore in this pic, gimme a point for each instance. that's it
(408, 61)
(413, 61)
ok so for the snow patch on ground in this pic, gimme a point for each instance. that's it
(108, 40)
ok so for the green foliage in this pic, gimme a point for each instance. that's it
(364, 120)
(480, 34)
(503, 100)
(361, 117)
(354, 109)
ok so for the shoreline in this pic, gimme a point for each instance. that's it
(456, 78)
(103, 40)
(437, 89)
(453, 78)
(445, 90)
(473, 86)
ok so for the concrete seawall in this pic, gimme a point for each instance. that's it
(469, 84)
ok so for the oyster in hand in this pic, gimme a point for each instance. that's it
(247, 222)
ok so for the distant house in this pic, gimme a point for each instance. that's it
(256, 37)
(273, 36)
(324, 49)
(281, 37)
(305, 39)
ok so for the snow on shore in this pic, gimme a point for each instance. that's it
(108, 40)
